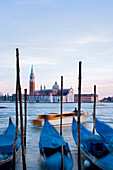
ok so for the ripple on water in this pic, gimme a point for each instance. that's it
(33, 158)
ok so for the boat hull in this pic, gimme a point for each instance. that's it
(93, 147)
(66, 121)
(54, 162)
(6, 164)
(92, 159)
(52, 145)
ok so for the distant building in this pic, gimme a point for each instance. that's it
(52, 95)
(88, 98)
(68, 95)
(48, 95)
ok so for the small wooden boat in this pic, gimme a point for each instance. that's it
(6, 146)
(93, 147)
(54, 118)
(106, 132)
(50, 145)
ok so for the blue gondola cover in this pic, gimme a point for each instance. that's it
(105, 131)
(50, 138)
(7, 140)
(88, 140)
(93, 144)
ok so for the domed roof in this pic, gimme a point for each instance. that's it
(55, 86)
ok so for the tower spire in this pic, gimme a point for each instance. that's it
(32, 82)
(32, 69)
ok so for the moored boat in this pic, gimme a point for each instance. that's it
(93, 147)
(54, 118)
(106, 132)
(6, 146)
(50, 145)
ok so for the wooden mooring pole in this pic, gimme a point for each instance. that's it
(22, 132)
(62, 160)
(61, 105)
(21, 116)
(25, 107)
(16, 133)
(94, 110)
(79, 113)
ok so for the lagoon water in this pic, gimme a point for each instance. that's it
(33, 158)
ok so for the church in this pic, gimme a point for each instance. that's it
(48, 95)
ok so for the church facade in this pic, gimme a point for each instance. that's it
(48, 95)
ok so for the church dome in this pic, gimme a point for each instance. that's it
(55, 86)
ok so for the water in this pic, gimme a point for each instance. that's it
(33, 159)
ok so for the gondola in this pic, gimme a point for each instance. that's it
(93, 147)
(50, 145)
(6, 146)
(106, 132)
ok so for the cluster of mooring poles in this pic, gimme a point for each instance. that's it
(79, 113)
(23, 130)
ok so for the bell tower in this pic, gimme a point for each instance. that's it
(32, 82)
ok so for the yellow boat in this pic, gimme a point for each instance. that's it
(54, 118)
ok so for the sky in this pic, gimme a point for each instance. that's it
(54, 36)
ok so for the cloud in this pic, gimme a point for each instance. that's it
(7, 60)
(37, 2)
(38, 61)
(92, 39)
(3, 86)
(31, 45)
(105, 89)
(81, 44)
(71, 50)
(87, 39)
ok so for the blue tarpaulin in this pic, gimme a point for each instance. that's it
(86, 136)
(54, 162)
(104, 130)
(94, 144)
(50, 138)
(50, 147)
(106, 162)
(7, 140)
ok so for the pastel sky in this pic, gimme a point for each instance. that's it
(54, 35)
